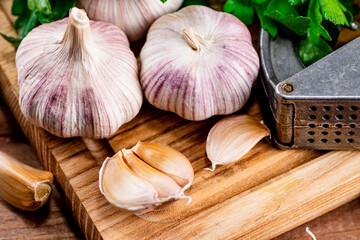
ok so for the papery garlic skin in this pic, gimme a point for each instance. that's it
(123, 188)
(78, 77)
(133, 17)
(167, 160)
(22, 186)
(232, 137)
(130, 182)
(197, 63)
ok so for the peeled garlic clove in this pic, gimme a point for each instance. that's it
(205, 67)
(164, 185)
(78, 77)
(133, 17)
(22, 186)
(166, 160)
(232, 137)
(123, 188)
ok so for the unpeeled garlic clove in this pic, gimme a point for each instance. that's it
(22, 186)
(78, 77)
(130, 182)
(207, 66)
(133, 17)
(232, 137)
(167, 160)
(123, 188)
(164, 185)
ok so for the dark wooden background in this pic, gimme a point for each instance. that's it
(54, 220)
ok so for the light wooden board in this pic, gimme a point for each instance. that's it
(267, 193)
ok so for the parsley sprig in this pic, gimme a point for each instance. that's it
(32, 13)
(316, 23)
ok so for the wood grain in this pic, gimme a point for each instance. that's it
(264, 185)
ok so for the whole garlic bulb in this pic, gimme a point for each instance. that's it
(134, 17)
(78, 77)
(197, 63)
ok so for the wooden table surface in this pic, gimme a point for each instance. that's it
(54, 220)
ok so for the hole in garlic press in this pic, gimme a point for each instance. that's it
(312, 117)
(339, 108)
(353, 108)
(326, 117)
(312, 108)
(326, 108)
(352, 117)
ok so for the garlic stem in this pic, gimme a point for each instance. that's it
(22, 186)
(100, 149)
(77, 41)
(195, 41)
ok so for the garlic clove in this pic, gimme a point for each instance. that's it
(164, 185)
(78, 77)
(206, 68)
(123, 188)
(166, 160)
(232, 137)
(22, 186)
(133, 17)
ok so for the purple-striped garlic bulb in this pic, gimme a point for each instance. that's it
(78, 77)
(134, 17)
(197, 63)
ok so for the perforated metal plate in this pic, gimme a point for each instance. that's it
(317, 107)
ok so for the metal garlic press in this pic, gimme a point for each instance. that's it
(317, 107)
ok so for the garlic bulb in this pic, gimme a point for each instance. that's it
(232, 137)
(133, 17)
(197, 63)
(22, 186)
(78, 77)
(135, 181)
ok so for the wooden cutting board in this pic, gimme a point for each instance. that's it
(267, 193)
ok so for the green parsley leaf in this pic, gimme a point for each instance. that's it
(241, 9)
(31, 13)
(195, 2)
(282, 12)
(314, 46)
(335, 12)
(14, 41)
(163, 1)
(59, 11)
(266, 23)
(43, 6)
(296, 2)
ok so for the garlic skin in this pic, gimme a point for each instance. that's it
(133, 17)
(166, 160)
(130, 182)
(123, 188)
(232, 137)
(22, 186)
(78, 77)
(197, 63)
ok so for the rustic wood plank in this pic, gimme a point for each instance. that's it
(217, 195)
